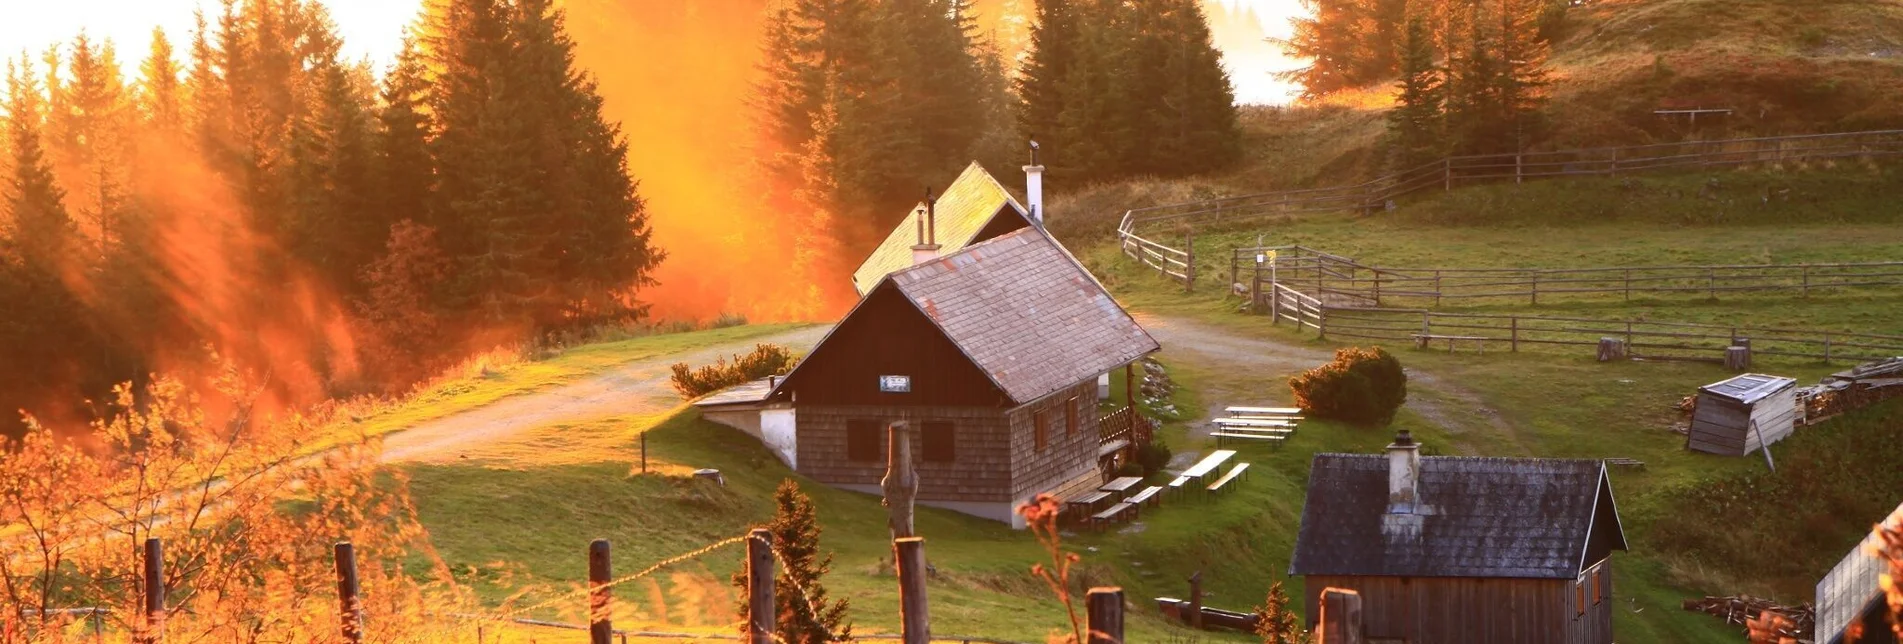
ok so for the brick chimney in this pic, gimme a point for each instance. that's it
(927, 247)
(1404, 474)
(1034, 187)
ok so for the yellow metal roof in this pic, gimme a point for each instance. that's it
(967, 205)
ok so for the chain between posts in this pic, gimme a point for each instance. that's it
(622, 580)
(805, 596)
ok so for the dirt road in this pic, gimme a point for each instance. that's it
(639, 387)
(1259, 367)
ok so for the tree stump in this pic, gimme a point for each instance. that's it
(1738, 358)
(1611, 349)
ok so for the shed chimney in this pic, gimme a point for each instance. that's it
(1034, 187)
(1404, 474)
(927, 247)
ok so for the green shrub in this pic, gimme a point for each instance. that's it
(765, 360)
(1153, 457)
(1361, 386)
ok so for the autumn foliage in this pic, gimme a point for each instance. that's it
(1363, 386)
(765, 360)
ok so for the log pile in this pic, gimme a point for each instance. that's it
(1799, 620)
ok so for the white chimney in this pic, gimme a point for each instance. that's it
(1404, 474)
(927, 247)
(1034, 187)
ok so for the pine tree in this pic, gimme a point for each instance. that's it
(1273, 621)
(795, 529)
(1415, 122)
(1042, 80)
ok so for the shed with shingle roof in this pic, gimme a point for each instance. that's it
(1462, 549)
(992, 351)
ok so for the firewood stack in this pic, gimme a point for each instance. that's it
(1738, 609)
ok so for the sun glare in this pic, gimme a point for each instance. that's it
(371, 29)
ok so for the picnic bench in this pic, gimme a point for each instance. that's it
(1084, 506)
(1251, 422)
(1421, 340)
(1262, 411)
(1178, 484)
(1274, 438)
(1113, 514)
(1121, 486)
(1203, 468)
(1234, 473)
(1146, 497)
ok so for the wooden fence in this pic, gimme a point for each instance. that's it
(1448, 173)
(1179, 265)
(1342, 281)
(1642, 339)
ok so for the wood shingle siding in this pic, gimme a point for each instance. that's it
(1065, 455)
(1472, 610)
(980, 469)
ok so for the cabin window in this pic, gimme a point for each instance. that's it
(862, 440)
(1598, 584)
(1579, 593)
(1041, 425)
(940, 442)
(1070, 416)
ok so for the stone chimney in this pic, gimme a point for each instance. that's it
(1034, 187)
(1404, 474)
(927, 247)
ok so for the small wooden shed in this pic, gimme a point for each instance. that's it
(1742, 414)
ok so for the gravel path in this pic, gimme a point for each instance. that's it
(634, 388)
(1214, 348)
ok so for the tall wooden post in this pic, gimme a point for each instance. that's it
(901, 482)
(915, 624)
(1189, 261)
(1340, 621)
(349, 608)
(760, 608)
(1104, 609)
(1196, 600)
(154, 631)
(1130, 386)
(600, 594)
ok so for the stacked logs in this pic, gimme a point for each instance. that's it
(1797, 623)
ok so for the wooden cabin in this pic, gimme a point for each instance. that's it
(1849, 599)
(974, 208)
(1462, 550)
(993, 352)
(1739, 415)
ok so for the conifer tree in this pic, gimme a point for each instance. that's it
(795, 529)
(1523, 76)
(43, 235)
(45, 329)
(159, 96)
(1055, 39)
(90, 133)
(1273, 621)
(1196, 130)
(403, 166)
(1415, 122)
(1329, 34)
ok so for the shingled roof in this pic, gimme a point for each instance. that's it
(1483, 517)
(973, 201)
(1026, 313)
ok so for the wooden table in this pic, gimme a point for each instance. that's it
(1252, 422)
(1089, 504)
(1202, 468)
(1262, 411)
(1121, 486)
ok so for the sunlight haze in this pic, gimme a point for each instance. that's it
(370, 28)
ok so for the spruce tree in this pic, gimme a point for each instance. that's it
(1041, 83)
(89, 131)
(1197, 130)
(159, 92)
(1273, 621)
(1523, 75)
(403, 167)
(795, 529)
(46, 330)
(1415, 121)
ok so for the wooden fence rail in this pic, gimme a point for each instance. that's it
(1341, 280)
(1646, 340)
(1450, 172)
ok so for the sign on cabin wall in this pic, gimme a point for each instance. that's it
(895, 384)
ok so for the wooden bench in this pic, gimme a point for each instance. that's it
(1421, 340)
(1626, 462)
(1272, 438)
(1121, 486)
(1251, 422)
(1082, 507)
(1146, 497)
(1261, 411)
(1234, 473)
(1112, 514)
(1180, 484)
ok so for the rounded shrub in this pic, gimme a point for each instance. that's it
(1153, 457)
(1361, 386)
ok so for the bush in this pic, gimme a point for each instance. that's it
(1361, 386)
(1153, 457)
(766, 360)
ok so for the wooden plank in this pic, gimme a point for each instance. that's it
(1209, 463)
(1245, 411)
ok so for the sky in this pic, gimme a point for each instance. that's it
(373, 29)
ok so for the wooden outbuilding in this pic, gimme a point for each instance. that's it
(1849, 598)
(993, 352)
(1462, 550)
(1742, 414)
(974, 208)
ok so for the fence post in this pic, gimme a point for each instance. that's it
(1196, 600)
(1377, 287)
(760, 608)
(1518, 172)
(1235, 271)
(1516, 333)
(1711, 282)
(600, 594)
(1628, 337)
(1806, 280)
(1104, 608)
(349, 608)
(1536, 286)
(644, 452)
(154, 631)
(915, 624)
(1615, 162)
(1275, 304)
(1826, 347)
(1447, 174)
(1189, 261)
(1628, 285)
(1437, 288)
(1321, 321)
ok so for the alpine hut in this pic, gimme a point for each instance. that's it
(974, 208)
(1741, 414)
(1462, 550)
